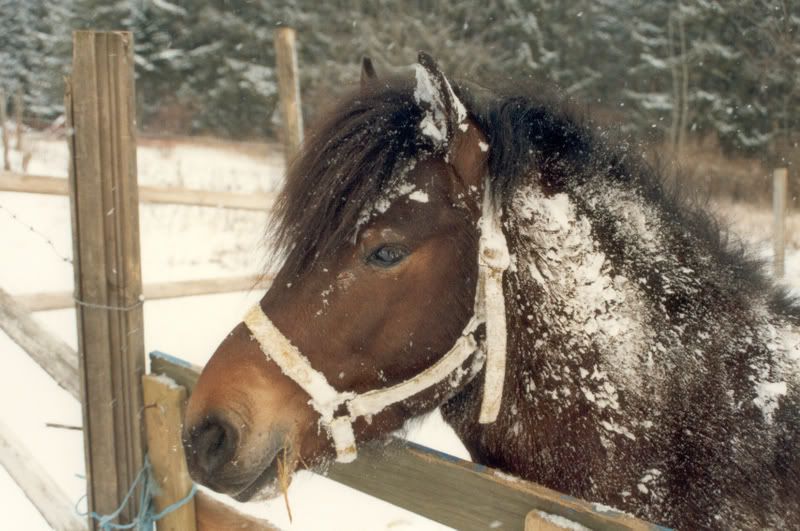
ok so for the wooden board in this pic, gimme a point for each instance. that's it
(462, 494)
(181, 371)
(51, 353)
(58, 300)
(108, 282)
(454, 492)
(39, 184)
(53, 504)
(164, 410)
(163, 416)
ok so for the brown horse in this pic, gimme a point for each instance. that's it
(621, 351)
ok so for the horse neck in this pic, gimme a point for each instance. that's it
(623, 328)
(569, 295)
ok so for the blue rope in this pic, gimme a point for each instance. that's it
(147, 516)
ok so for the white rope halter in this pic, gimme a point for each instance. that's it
(493, 260)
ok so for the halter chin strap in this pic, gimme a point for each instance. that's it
(338, 410)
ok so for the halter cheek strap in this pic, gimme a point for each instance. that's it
(493, 260)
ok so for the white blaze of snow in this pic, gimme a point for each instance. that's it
(418, 196)
(767, 399)
(561, 522)
(583, 299)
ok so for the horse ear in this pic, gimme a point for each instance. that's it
(446, 122)
(444, 113)
(368, 74)
(468, 154)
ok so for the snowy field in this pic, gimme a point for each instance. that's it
(180, 243)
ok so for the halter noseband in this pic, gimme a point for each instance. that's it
(493, 260)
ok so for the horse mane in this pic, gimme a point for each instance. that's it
(349, 161)
(531, 128)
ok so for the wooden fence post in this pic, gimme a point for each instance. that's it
(19, 102)
(289, 91)
(4, 130)
(780, 184)
(108, 281)
(163, 416)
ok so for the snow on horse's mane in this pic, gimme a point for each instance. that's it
(583, 296)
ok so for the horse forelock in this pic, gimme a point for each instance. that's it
(352, 161)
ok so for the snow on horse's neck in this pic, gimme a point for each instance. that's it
(579, 297)
(589, 305)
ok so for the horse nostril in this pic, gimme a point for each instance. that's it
(212, 444)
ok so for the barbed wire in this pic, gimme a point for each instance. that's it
(44, 237)
(67, 260)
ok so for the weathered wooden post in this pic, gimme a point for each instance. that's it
(164, 420)
(289, 91)
(780, 184)
(19, 103)
(108, 280)
(4, 130)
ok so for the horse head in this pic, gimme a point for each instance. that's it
(370, 320)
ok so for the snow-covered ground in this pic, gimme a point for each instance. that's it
(179, 243)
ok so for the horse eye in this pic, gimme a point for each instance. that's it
(387, 255)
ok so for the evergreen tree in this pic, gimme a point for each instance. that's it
(667, 68)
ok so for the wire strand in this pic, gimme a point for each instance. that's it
(38, 233)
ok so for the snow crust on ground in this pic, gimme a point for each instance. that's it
(178, 243)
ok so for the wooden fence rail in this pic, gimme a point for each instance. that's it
(60, 300)
(51, 353)
(51, 502)
(39, 184)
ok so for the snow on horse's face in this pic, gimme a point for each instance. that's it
(367, 312)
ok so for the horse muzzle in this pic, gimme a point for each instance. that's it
(218, 458)
(240, 425)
